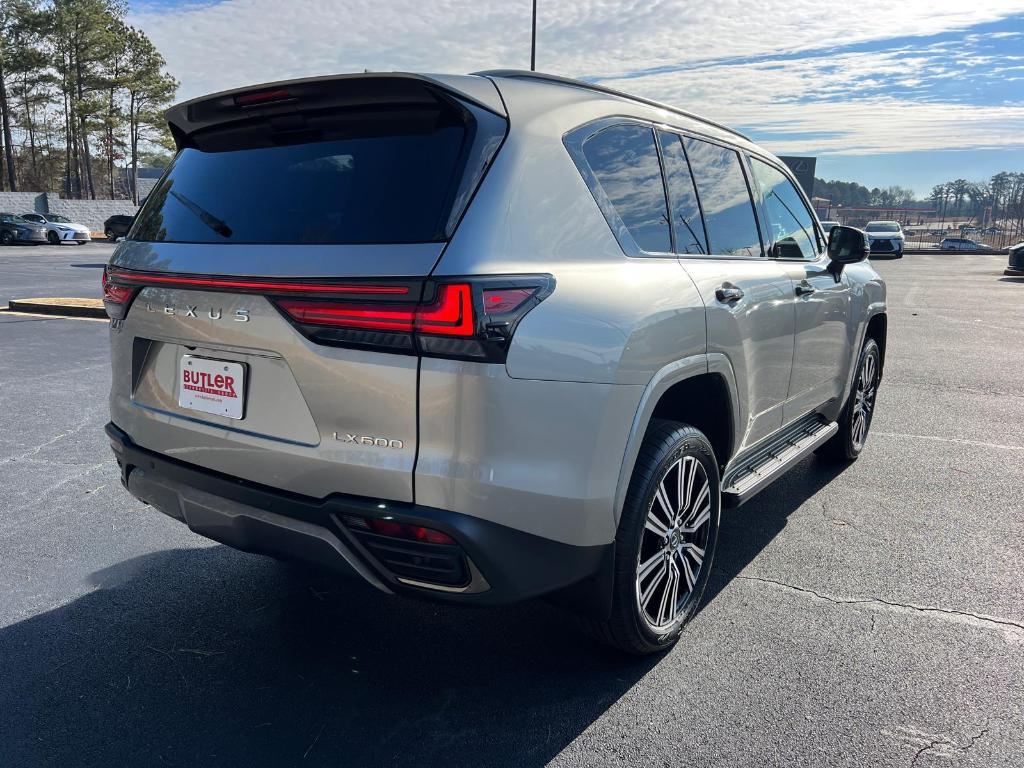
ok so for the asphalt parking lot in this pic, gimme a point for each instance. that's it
(33, 271)
(865, 616)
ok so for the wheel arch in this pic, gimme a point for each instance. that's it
(700, 391)
(878, 328)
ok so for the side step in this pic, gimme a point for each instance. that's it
(774, 460)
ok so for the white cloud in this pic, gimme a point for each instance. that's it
(670, 50)
(837, 104)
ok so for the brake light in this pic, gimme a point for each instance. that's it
(262, 97)
(116, 298)
(451, 314)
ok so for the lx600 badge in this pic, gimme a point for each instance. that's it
(379, 442)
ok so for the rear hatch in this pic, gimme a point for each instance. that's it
(267, 301)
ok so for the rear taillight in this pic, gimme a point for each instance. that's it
(116, 297)
(464, 318)
(468, 320)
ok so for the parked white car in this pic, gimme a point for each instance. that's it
(59, 229)
(885, 237)
(962, 244)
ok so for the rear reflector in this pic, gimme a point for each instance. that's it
(389, 527)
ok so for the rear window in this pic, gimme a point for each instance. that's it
(393, 183)
(624, 160)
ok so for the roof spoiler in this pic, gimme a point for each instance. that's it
(286, 97)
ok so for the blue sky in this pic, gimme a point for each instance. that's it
(916, 92)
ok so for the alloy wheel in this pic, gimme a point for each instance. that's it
(864, 400)
(673, 543)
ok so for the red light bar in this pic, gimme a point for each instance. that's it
(262, 97)
(451, 313)
(384, 318)
(248, 284)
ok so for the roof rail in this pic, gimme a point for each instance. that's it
(528, 75)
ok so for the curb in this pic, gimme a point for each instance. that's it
(59, 306)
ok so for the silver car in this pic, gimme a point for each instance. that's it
(60, 229)
(482, 338)
(962, 244)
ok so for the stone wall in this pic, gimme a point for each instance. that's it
(22, 202)
(92, 213)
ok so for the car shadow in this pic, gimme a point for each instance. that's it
(746, 530)
(207, 656)
(89, 266)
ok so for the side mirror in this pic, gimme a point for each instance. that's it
(847, 245)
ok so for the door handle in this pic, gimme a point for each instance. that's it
(728, 293)
(803, 288)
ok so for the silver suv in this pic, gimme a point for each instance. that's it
(482, 338)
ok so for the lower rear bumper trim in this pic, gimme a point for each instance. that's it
(506, 564)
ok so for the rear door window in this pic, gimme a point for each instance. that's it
(624, 161)
(790, 225)
(725, 199)
(686, 220)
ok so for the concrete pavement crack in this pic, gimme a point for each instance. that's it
(987, 621)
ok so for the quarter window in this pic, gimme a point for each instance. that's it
(725, 198)
(682, 196)
(624, 160)
(790, 225)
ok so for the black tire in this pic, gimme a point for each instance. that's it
(6, 237)
(110, 235)
(663, 455)
(846, 444)
(52, 238)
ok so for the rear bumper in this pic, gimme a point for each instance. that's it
(502, 564)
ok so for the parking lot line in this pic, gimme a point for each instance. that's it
(957, 440)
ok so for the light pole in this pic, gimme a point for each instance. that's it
(533, 40)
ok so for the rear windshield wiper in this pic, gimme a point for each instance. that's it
(217, 225)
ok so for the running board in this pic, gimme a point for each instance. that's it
(770, 463)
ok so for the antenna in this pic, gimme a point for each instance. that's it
(533, 40)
